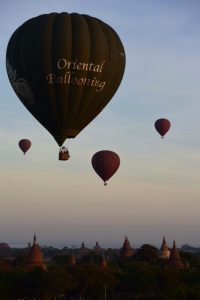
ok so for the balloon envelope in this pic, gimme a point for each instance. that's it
(65, 68)
(162, 126)
(24, 145)
(105, 163)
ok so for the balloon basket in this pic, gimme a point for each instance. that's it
(64, 153)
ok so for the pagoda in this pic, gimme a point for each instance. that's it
(83, 250)
(97, 248)
(126, 250)
(35, 257)
(175, 259)
(164, 250)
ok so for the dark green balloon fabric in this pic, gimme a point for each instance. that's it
(65, 68)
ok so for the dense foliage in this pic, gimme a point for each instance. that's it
(142, 277)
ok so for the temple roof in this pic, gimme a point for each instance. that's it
(164, 245)
(83, 249)
(126, 250)
(164, 252)
(35, 256)
(174, 258)
(97, 248)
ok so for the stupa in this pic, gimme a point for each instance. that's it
(35, 257)
(97, 248)
(175, 259)
(126, 250)
(164, 250)
(83, 250)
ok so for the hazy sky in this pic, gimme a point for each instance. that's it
(156, 191)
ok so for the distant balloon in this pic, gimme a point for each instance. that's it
(65, 68)
(162, 126)
(24, 145)
(105, 164)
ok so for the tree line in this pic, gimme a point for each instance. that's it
(143, 277)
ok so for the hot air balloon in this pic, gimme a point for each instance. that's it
(105, 164)
(24, 145)
(162, 126)
(65, 68)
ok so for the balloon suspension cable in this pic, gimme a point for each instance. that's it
(162, 136)
(105, 183)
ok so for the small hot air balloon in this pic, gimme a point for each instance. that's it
(162, 126)
(65, 68)
(24, 145)
(105, 164)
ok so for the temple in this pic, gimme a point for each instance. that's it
(164, 250)
(97, 248)
(126, 250)
(175, 259)
(84, 250)
(35, 257)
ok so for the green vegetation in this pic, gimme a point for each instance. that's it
(143, 277)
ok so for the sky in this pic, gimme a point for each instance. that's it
(156, 190)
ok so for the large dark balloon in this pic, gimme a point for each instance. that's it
(162, 126)
(65, 68)
(105, 163)
(24, 145)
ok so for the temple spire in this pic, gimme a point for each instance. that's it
(35, 256)
(97, 248)
(126, 250)
(34, 238)
(83, 250)
(164, 250)
(175, 259)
